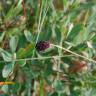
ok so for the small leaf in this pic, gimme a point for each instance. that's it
(6, 56)
(28, 36)
(58, 35)
(13, 11)
(13, 43)
(58, 85)
(4, 88)
(74, 32)
(7, 69)
(2, 36)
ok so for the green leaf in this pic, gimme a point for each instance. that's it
(58, 34)
(13, 11)
(42, 87)
(22, 63)
(58, 85)
(13, 43)
(5, 88)
(74, 32)
(7, 69)
(47, 34)
(25, 52)
(6, 56)
(87, 5)
(2, 36)
(65, 2)
(28, 36)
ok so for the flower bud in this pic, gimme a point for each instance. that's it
(42, 45)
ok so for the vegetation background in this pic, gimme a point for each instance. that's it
(70, 24)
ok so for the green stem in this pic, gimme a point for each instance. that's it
(42, 87)
(67, 50)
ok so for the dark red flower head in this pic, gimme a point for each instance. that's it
(42, 45)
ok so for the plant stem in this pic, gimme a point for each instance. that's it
(24, 8)
(67, 50)
(39, 58)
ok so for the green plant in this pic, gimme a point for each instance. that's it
(66, 67)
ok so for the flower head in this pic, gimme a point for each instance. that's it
(42, 45)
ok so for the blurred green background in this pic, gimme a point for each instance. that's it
(53, 72)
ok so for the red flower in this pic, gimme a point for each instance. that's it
(42, 45)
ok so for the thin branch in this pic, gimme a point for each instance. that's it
(24, 8)
(40, 23)
(67, 50)
(40, 58)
